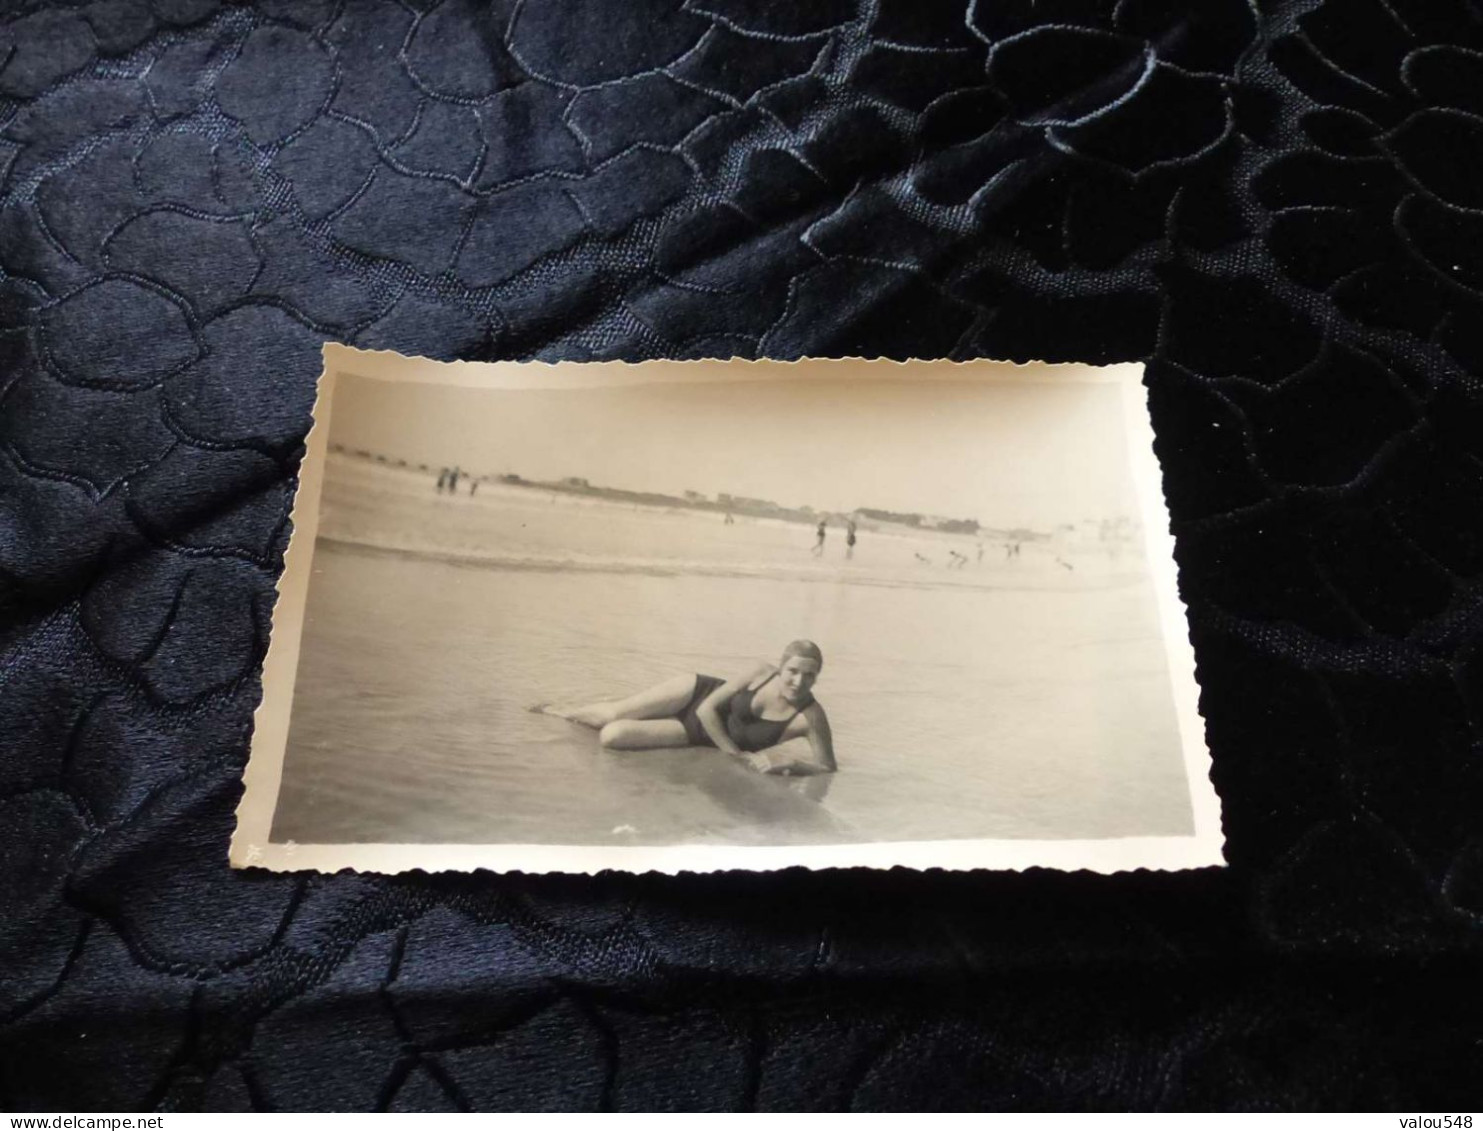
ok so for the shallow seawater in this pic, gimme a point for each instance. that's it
(1006, 699)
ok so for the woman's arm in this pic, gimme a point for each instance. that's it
(708, 712)
(821, 747)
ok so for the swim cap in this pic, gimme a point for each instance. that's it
(805, 648)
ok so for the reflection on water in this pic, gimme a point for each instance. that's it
(978, 703)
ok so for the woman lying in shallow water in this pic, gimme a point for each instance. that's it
(743, 716)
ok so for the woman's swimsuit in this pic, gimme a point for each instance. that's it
(704, 685)
(747, 729)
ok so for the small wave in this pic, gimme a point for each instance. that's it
(762, 571)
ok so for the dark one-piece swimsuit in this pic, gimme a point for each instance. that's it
(747, 729)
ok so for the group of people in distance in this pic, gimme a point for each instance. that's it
(450, 477)
(955, 558)
(822, 532)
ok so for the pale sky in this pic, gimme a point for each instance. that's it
(1028, 454)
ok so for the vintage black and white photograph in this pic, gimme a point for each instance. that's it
(688, 616)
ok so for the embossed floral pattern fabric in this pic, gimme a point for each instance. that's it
(1278, 205)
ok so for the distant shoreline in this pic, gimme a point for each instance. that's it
(942, 580)
(867, 519)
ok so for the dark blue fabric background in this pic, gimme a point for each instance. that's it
(1279, 205)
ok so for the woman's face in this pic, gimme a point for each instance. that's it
(797, 676)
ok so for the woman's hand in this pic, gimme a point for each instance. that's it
(757, 762)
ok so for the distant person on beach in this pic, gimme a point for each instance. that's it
(849, 539)
(819, 545)
(729, 520)
(980, 553)
(743, 716)
(924, 559)
(442, 480)
(473, 487)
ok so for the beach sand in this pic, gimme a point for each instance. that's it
(1008, 699)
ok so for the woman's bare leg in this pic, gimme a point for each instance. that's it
(643, 734)
(662, 701)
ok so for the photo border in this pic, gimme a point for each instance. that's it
(251, 847)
